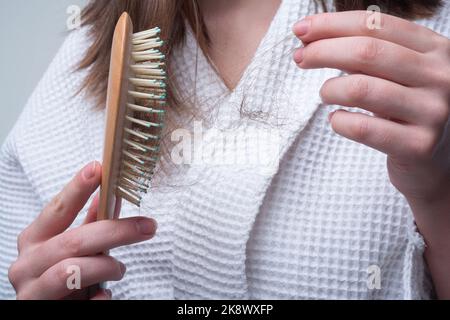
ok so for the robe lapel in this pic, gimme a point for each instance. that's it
(241, 152)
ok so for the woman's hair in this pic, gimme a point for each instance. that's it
(170, 15)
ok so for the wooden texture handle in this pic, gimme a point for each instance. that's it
(116, 111)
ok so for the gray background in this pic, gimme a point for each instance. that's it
(31, 32)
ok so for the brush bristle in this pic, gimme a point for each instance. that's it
(145, 116)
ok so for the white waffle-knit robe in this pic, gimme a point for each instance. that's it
(306, 220)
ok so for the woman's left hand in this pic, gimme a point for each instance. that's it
(400, 72)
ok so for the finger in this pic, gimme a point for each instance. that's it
(71, 275)
(391, 138)
(87, 240)
(117, 208)
(93, 209)
(365, 55)
(103, 294)
(60, 213)
(363, 23)
(379, 96)
(91, 215)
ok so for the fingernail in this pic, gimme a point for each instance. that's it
(123, 267)
(298, 56)
(146, 226)
(330, 116)
(301, 28)
(89, 171)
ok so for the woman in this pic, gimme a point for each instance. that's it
(324, 217)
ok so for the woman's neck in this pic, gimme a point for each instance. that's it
(236, 28)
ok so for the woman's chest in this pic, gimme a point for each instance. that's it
(331, 224)
(311, 231)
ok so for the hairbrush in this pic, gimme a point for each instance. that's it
(135, 104)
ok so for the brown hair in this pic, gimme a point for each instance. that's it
(169, 15)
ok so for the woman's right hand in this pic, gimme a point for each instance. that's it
(49, 253)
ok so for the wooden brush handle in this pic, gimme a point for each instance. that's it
(116, 111)
(115, 114)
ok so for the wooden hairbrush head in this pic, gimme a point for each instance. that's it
(136, 100)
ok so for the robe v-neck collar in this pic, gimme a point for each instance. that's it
(213, 215)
